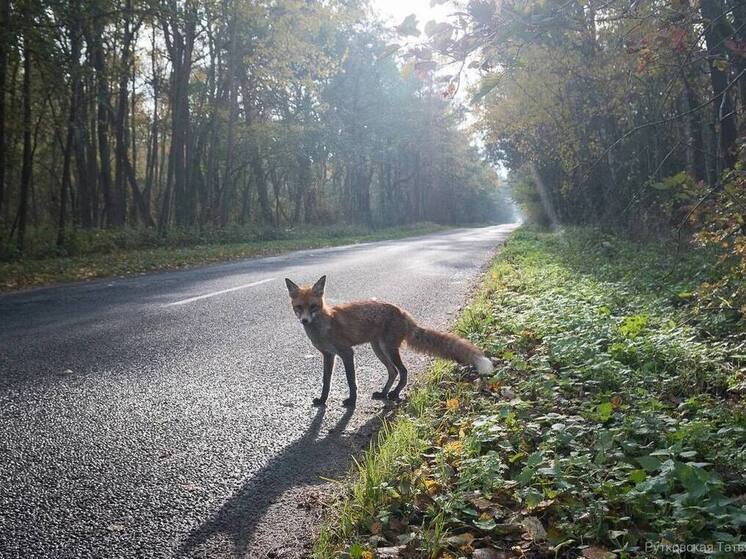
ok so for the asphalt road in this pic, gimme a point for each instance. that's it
(170, 414)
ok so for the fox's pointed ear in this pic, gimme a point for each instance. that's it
(318, 287)
(293, 289)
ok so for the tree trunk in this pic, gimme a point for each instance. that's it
(693, 129)
(151, 159)
(112, 213)
(180, 45)
(229, 180)
(119, 197)
(72, 119)
(5, 35)
(91, 150)
(716, 33)
(80, 143)
(27, 155)
(739, 24)
(260, 180)
(65, 182)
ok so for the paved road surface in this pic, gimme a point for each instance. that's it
(170, 414)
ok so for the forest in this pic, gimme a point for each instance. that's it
(624, 112)
(193, 116)
(628, 116)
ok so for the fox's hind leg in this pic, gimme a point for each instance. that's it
(396, 358)
(383, 356)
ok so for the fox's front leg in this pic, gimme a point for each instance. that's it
(328, 369)
(348, 358)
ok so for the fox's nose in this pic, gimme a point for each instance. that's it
(304, 320)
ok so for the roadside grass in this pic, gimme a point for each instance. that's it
(123, 253)
(613, 426)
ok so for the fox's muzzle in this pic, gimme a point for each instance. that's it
(306, 317)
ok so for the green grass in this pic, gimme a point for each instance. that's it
(614, 421)
(122, 253)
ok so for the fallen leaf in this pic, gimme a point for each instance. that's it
(454, 447)
(390, 552)
(422, 502)
(461, 539)
(481, 503)
(397, 525)
(507, 393)
(494, 386)
(598, 553)
(484, 553)
(534, 528)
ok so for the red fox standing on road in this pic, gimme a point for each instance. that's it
(335, 330)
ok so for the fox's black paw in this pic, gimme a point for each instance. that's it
(394, 396)
(349, 402)
(379, 395)
(319, 402)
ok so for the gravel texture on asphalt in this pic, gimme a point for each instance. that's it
(169, 415)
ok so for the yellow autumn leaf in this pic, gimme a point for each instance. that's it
(452, 404)
(454, 447)
(367, 555)
(432, 486)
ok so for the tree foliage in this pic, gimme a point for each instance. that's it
(622, 114)
(594, 104)
(181, 114)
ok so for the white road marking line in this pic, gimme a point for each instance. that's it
(215, 293)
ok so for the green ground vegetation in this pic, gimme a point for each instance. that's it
(614, 422)
(121, 252)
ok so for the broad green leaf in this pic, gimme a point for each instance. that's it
(649, 463)
(638, 476)
(605, 411)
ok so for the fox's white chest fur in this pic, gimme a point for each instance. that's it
(318, 333)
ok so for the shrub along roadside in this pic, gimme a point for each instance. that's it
(614, 422)
(121, 253)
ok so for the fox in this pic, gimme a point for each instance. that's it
(335, 330)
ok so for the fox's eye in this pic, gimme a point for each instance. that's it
(298, 308)
(314, 308)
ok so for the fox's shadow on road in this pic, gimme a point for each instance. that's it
(302, 463)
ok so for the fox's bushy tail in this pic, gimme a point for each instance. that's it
(448, 346)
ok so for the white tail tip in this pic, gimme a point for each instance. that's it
(483, 365)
